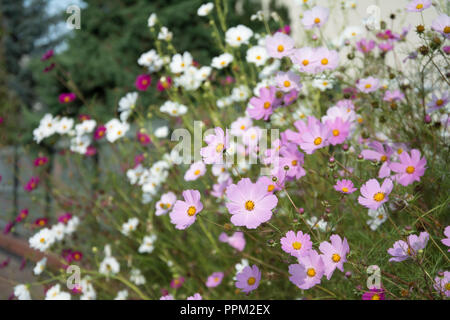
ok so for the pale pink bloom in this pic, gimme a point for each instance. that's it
(165, 204)
(381, 153)
(296, 244)
(334, 254)
(185, 212)
(297, 274)
(240, 125)
(262, 107)
(217, 144)
(407, 250)
(373, 195)
(287, 81)
(339, 131)
(368, 85)
(279, 45)
(345, 186)
(307, 60)
(214, 279)
(315, 136)
(196, 296)
(248, 280)
(237, 240)
(442, 25)
(410, 168)
(316, 17)
(314, 268)
(418, 5)
(447, 240)
(195, 171)
(328, 59)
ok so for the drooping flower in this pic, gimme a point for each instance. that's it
(334, 254)
(447, 240)
(418, 5)
(248, 280)
(214, 279)
(237, 240)
(381, 153)
(410, 168)
(316, 17)
(344, 186)
(374, 294)
(67, 97)
(279, 45)
(296, 245)
(250, 204)
(402, 250)
(143, 81)
(47, 55)
(185, 212)
(373, 195)
(165, 204)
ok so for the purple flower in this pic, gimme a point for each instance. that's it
(447, 240)
(386, 46)
(99, 132)
(373, 195)
(345, 186)
(334, 254)
(214, 279)
(185, 212)
(237, 240)
(406, 250)
(374, 294)
(410, 168)
(64, 218)
(296, 245)
(438, 102)
(442, 284)
(248, 280)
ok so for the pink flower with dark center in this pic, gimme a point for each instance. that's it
(334, 254)
(40, 161)
(67, 97)
(100, 132)
(250, 204)
(64, 218)
(32, 184)
(263, 106)
(374, 294)
(143, 138)
(248, 280)
(177, 282)
(237, 240)
(373, 195)
(77, 255)
(296, 244)
(164, 83)
(185, 212)
(410, 168)
(214, 279)
(143, 81)
(279, 45)
(345, 186)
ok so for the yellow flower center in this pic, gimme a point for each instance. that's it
(242, 127)
(368, 86)
(336, 132)
(191, 211)
(410, 170)
(324, 61)
(317, 20)
(119, 132)
(280, 48)
(222, 63)
(296, 245)
(66, 99)
(267, 105)
(270, 188)
(383, 158)
(335, 257)
(287, 84)
(379, 196)
(251, 281)
(305, 62)
(294, 162)
(447, 286)
(419, 6)
(42, 240)
(197, 172)
(144, 82)
(380, 217)
(439, 102)
(220, 147)
(447, 29)
(375, 297)
(311, 272)
(249, 205)
(317, 141)
(258, 57)
(239, 38)
(344, 189)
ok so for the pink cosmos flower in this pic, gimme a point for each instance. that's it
(296, 245)
(365, 46)
(368, 85)
(373, 195)
(287, 81)
(165, 204)
(442, 284)
(290, 97)
(298, 274)
(143, 81)
(279, 45)
(83, 117)
(99, 132)
(240, 125)
(286, 29)
(418, 5)
(22, 215)
(407, 250)
(334, 254)
(447, 240)
(263, 106)
(67, 97)
(40, 161)
(32, 184)
(139, 159)
(387, 35)
(237, 240)
(214, 279)
(314, 267)
(218, 189)
(91, 151)
(386, 46)
(328, 59)
(292, 160)
(410, 168)
(195, 171)
(217, 144)
(315, 136)
(306, 59)
(442, 25)
(374, 294)
(391, 96)
(316, 17)
(381, 153)
(271, 185)
(339, 131)
(47, 55)
(185, 212)
(8, 227)
(345, 186)
(250, 204)
(438, 103)
(64, 218)
(196, 296)
(167, 297)
(177, 282)
(164, 83)
(143, 138)
(248, 280)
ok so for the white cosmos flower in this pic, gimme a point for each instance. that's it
(180, 63)
(174, 109)
(152, 20)
(116, 129)
(133, 175)
(147, 245)
(79, 144)
(203, 73)
(130, 226)
(137, 277)
(58, 231)
(378, 217)
(224, 102)
(55, 293)
(109, 266)
(240, 93)
(87, 126)
(222, 61)
(151, 60)
(205, 9)
(122, 295)
(87, 289)
(42, 240)
(128, 102)
(165, 34)
(236, 36)
(72, 225)
(162, 132)
(64, 125)
(270, 70)
(322, 84)
(21, 292)
(257, 55)
(40, 266)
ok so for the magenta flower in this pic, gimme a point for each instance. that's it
(165, 204)
(237, 240)
(195, 171)
(306, 59)
(418, 5)
(164, 83)
(40, 161)
(374, 294)
(138, 159)
(407, 250)
(447, 240)
(386, 46)
(90, 151)
(248, 280)
(83, 117)
(185, 212)
(8, 227)
(143, 81)
(339, 130)
(47, 55)
(438, 103)
(262, 107)
(345, 186)
(196, 296)
(49, 68)
(67, 97)
(250, 204)
(143, 138)
(22, 215)
(286, 29)
(290, 97)
(296, 245)
(365, 46)
(442, 284)
(217, 144)
(379, 153)
(368, 85)
(316, 17)
(279, 45)
(334, 254)
(314, 267)
(177, 282)
(315, 136)
(32, 184)
(410, 168)
(64, 218)
(442, 25)
(99, 132)
(77, 255)
(298, 274)
(373, 195)
(214, 280)
(287, 81)
(41, 222)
